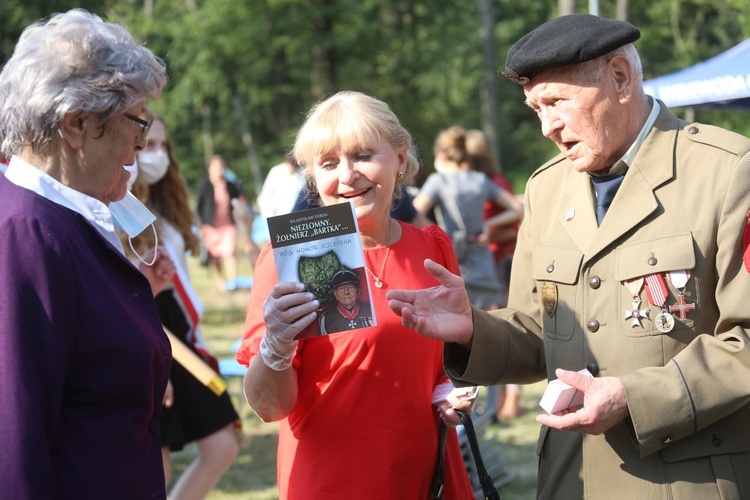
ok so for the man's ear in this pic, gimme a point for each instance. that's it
(622, 76)
(72, 129)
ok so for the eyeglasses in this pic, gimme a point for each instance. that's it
(143, 123)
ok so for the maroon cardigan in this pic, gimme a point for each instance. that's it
(84, 361)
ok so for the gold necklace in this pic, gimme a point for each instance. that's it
(379, 276)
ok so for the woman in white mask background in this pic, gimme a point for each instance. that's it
(192, 412)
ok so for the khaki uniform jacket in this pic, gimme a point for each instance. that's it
(683, 204)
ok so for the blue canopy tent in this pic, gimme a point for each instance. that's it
(723, 80)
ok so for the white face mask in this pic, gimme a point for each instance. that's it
(152, 166)
(132, 217)
(133, 171)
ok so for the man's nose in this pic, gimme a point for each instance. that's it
(551, 122)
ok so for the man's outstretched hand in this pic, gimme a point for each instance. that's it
(441, 312)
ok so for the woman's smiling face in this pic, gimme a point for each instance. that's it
(364, 175)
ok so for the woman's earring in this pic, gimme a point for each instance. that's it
(400, 175)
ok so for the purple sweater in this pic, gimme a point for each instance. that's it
(84, 361)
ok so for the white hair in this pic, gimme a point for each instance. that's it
(592, 71)
(71, 62)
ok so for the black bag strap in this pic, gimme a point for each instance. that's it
(438, 479)
(488, 486)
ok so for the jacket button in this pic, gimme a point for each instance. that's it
(595, 282)
(716, 441)
(592, 325)
(652, 261)
(593, 368)
(693, 130)
(550, 268)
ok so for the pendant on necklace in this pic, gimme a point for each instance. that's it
(378, 283)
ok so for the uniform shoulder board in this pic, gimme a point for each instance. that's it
(554, 161)
(717, 137)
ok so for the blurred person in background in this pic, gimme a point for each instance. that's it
(85, 361)
(458, 194)
(280, 188)
(192, 412)
(502, 243)
(215, 197)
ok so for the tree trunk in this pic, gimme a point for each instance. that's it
(247, 140)
(594, 7)
(565, 7)
(323, 58)
(208, 140)
(490, 104)
(623, 10)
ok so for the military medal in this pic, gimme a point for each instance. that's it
(549, 298)
(634, 287)
(656, 291)
(664, 322)
(679, 279)
(351, 315)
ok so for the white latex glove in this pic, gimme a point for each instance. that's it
(287, 311)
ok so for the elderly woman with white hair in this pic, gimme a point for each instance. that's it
(84, 358)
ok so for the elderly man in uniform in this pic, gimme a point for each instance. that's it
(651, 298)
(349, 313)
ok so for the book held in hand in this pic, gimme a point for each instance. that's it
(320, 247)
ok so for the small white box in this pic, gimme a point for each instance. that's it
(559, 396)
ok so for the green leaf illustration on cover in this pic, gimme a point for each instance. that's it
(317, 272)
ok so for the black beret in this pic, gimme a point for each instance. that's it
(564, 41)
(345, 276)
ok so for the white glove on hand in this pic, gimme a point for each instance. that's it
(287, 311)
(277, 355)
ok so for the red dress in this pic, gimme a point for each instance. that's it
(363, 426)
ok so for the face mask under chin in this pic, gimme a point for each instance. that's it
(132, 217)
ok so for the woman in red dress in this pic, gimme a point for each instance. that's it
(356, 412)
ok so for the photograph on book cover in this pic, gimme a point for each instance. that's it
(320, 247)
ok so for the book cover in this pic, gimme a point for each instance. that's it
(320, 247)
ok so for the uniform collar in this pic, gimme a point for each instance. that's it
(636, 199)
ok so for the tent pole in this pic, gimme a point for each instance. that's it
(690, 114)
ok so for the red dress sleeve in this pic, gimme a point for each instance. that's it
(444, 253)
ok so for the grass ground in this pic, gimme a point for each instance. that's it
(253, 475)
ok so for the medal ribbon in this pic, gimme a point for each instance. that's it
(656, 290)
(746, 243)
(348, 314)
(679, 278)
(634, 286)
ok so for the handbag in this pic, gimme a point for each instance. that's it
(489, 491)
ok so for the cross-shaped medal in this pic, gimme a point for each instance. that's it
(636, 315)
(352, 324)
(682, 306)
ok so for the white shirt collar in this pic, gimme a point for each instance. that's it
(27, 176)
(629, 155)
